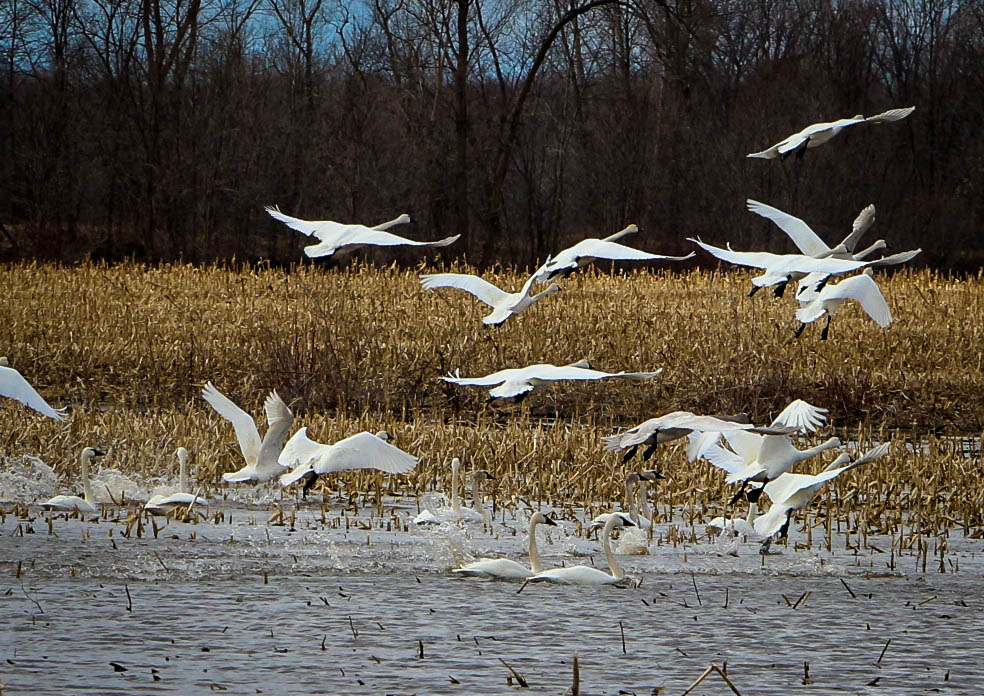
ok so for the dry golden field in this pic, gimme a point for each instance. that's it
(129, 347)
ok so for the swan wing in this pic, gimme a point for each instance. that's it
(600, 249)
(890, 115)
(863, 289)
(745, 444)
(755, 259)
(511, 388)
(771, 522)
(14, 386)
(722, 458)
(803, 236)
(487, 381)
(312, 228)
(242, 422)
(864, 220)
(376, 237)
(784, 486)
(276, 409)
(802, 416)
(480, 288)
(361, 451)
(495, 568)
(892, 259)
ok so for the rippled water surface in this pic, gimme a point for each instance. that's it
(346, 606)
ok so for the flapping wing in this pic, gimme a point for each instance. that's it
(308, 227)
(755, 259)
(374, 237)
(890, 115)
(361, 451)
(482, 289)
(246, 432)
(487, 381)
(893, 259)
(805, 239)
(14, 386)
(511, 388)
(864, 220)
(801, 415)
(722, 458)
(863, 289)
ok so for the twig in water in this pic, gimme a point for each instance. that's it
(712, 669)
(30, 597)
(696, 592)
(622, 629)
(516, 675)
(575, 689)
(355, 634)
(161, 562)
(801, 599)
(883, 652)
(853, 596)
(129, 601)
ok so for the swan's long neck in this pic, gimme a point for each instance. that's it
(477, 503)
(534, 554)
(633, 501)
(183, 473)
(631, 229)
(880, 244)
(752, 512)
(613, 565)
(642, 497)
(86, 488)
(455, 498)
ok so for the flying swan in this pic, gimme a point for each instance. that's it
(163, 504)
(819, 133)
(503, 304)
(860, 287)
(336, 237)
(69, 503)
(14, 386)
(505, 568)
(363, 450)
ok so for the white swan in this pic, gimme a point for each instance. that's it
(14, 386)
(507, 569)
(586, 575)
(860, 287)
(819, 133)
(589, 250)
(163, 504)
(636, 498)
(516, 383)
(338, 237)
(456, 512)
(738, 526)
(503, 304)
(73, 502)
(364, 450)
(260, 455)
(791, 492)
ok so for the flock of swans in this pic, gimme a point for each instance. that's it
(757, 457)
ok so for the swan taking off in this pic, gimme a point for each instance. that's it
(260, 455)
(586, 575)
(516, 383)
(14, 386)
(861, 288)
(337, 237)
(507, 569)
(819, 133)
(589, 250)
(503, 304)
(364, 450)
(69, 503)
(163, 504)
(791, 492)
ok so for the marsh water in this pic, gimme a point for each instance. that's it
(352, 602)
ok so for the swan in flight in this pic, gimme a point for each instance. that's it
(505, 568)
(503, 304)
(363, 450)
(781, 268)
(163, 504)
(14, 386)
(586, 575)
(791, 492)
(517, 383)
(69, 503)
(819, 133)
(260, 455)
(589, 250)
(456, 512)
(336, 237)
(860, 287)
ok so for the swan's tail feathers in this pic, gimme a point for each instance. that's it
(811, 312)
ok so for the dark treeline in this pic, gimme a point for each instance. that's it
(159, 128)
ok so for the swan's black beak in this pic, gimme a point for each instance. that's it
(651, 475)
(548, 520)
(98, 452)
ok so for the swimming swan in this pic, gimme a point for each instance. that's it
(635, 494)
(363, 450)
(860, 287)
(819, 133)
(504, 568)
(589, 250)
(586, 575)
(516, 383)
(260, 456)
(337, 237)
(73, 502)
(14, 386)
(163, 504)
(503, 304)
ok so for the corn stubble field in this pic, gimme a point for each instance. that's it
(360, 347)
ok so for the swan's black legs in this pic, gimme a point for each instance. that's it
(629, 454)
(780, 289)
(309, 480)
(784, 529)
(650, 451)
(754, 290)
(826, 329)
(741, 491)
(799, 330)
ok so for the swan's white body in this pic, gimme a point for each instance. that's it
(69, 503)
(457, 512)
(336, 237)
(589, 250)
(586, 575)
(260, 455)
(163, 504)
(514, 382)
(819, 133)
(737, 525)
(861, 288)
(791, 492)
(14, 386)
(503, 304)
(361, 451)
(505, 568)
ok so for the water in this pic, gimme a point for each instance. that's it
(251, 607)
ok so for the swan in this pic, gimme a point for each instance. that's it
(504, 568)
(363, 450)
(819, 133)
(163, 504)
(503, 304)
(860, 287)
(586, 575)
(811, 284)
(336, 237)
(517, 383)
(638, 503)
(73, 502)
(589, 250)
(736, 525)
(14, 386)
(791, 492)
(456, 512)
(260, 456)
(781, 268)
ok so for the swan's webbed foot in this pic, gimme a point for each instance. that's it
(799, 331)
(780, 289)
(764, 548)
(784, 529)
(740, 493)
(310, 479)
